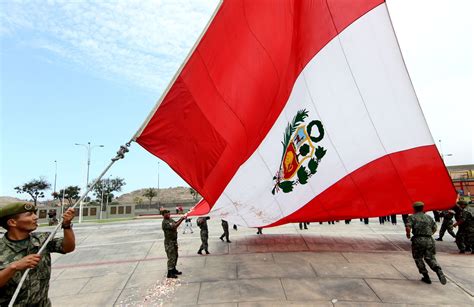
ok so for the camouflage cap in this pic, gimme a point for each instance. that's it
(418, 204)
(165, 212)
(462, 203)
(15, 208)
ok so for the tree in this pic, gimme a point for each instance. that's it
(150, 193)
(104, 188)
(34, 188)
(71, 193)
(137, 200)
(194, 193)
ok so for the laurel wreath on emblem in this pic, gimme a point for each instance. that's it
(298, 147)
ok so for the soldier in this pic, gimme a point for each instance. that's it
(447, 224)
(187, 225)
(202, 223)
(465, 234)
(19, 251)
(170, 228)
(225, 226)
(422, 244)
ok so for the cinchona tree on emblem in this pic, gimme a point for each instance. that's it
(300, 157)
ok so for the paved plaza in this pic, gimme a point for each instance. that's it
(124, 264)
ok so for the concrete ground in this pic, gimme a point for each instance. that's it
(124, 264)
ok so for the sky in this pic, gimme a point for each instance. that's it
(91, 71)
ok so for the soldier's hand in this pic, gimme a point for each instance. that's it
(68, 216)
(27, 262)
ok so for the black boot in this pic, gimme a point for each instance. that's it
(426, 278)
(200, 251)
(229, 241)
(176, 272)
(222, 239)
(441, 276)
(207, 252)
(439, 239)
(171, 274)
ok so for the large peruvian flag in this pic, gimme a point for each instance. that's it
(290, 111)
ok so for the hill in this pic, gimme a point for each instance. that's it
(8, 199)
(172, 195)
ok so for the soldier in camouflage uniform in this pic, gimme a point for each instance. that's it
(447, 224)
(170, 228)
(225, 227)
(422, 244)
(465, 234)
(202, 223)
(19, 251)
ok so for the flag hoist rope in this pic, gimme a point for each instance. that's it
(120, 155)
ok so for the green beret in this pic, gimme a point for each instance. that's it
(462, 203)
(15, 208)
(418, 204)
(165, 212)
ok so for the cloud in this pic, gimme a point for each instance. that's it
(142, 42)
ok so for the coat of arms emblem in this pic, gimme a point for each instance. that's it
(301, 155)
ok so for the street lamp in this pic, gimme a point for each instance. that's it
(158, 186)
(55, 174)
(89, 148)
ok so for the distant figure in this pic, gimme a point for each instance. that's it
(202, 223)
(393, 219)
(180, 208)
(465, 234)
(225, 227)
(235, 227)
(177, 209)
(422, 243)
(382, 220)
(447, 224)
(436, 216)
(259, 230)
(303, 224)
(405, 218)
(347, 222)
(187, 225)
(366, 220)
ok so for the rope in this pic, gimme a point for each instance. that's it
(120, 155)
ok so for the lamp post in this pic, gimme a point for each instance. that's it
(55, 174)
(88, 148)
(158, 186)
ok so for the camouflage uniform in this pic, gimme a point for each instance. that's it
(202, 223)
(225, 227)
(34, 291)
(447, 224)
(423, 246)
(171, 242)
(465, 234)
